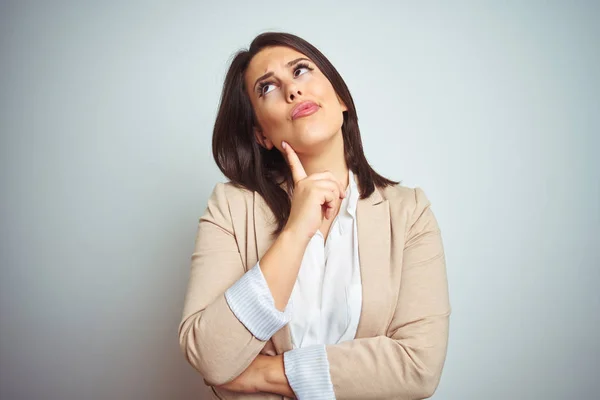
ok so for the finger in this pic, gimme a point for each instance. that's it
(298, 172)
(328, 211)
(328, 175)
(328, 198)
(328, 185)
(334, 183)
(325, 211)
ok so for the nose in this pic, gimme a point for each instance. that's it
(292, 92)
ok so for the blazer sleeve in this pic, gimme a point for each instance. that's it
(407, 362)
(211, 336)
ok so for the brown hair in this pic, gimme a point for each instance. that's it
(249, 165)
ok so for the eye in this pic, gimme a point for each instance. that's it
(301, 69)
(262, 86)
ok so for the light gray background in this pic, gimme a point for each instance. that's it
(106, 120)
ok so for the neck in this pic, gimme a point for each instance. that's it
(330, 157)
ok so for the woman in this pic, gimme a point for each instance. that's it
(312, 276)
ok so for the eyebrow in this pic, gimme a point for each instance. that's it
(270, 74)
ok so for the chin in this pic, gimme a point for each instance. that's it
(312, 137)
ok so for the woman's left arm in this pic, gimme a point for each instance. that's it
(407, 362)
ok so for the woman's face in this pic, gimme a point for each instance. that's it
(292, 100)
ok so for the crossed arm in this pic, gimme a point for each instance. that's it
(405, 363)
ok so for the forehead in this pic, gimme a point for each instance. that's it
(270, 59)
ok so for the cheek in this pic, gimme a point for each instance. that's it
(268, 112)
(323, 90)
(272, 118)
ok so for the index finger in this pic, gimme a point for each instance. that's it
(298, 172)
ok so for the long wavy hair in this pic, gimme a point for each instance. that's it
(249, 165)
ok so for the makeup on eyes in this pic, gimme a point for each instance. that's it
(261, 85)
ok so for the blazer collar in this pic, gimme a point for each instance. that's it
(374, 236)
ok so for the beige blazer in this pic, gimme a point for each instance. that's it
(400, 346)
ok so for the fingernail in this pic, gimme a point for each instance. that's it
(283, 144)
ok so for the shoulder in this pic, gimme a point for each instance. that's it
(404, 196)
(405, 202)
(227, 205)
(225, 192)
(230, 200)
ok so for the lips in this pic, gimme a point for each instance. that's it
(305, 108)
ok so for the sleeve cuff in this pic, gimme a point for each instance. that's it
(307, 371)
(251, 301)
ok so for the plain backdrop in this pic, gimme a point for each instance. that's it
(106, 116)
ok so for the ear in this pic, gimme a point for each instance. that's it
(262, 139)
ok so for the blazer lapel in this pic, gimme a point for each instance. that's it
(374, 236)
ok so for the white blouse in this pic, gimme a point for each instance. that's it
(327, 295)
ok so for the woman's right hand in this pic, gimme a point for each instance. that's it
(315, 197)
